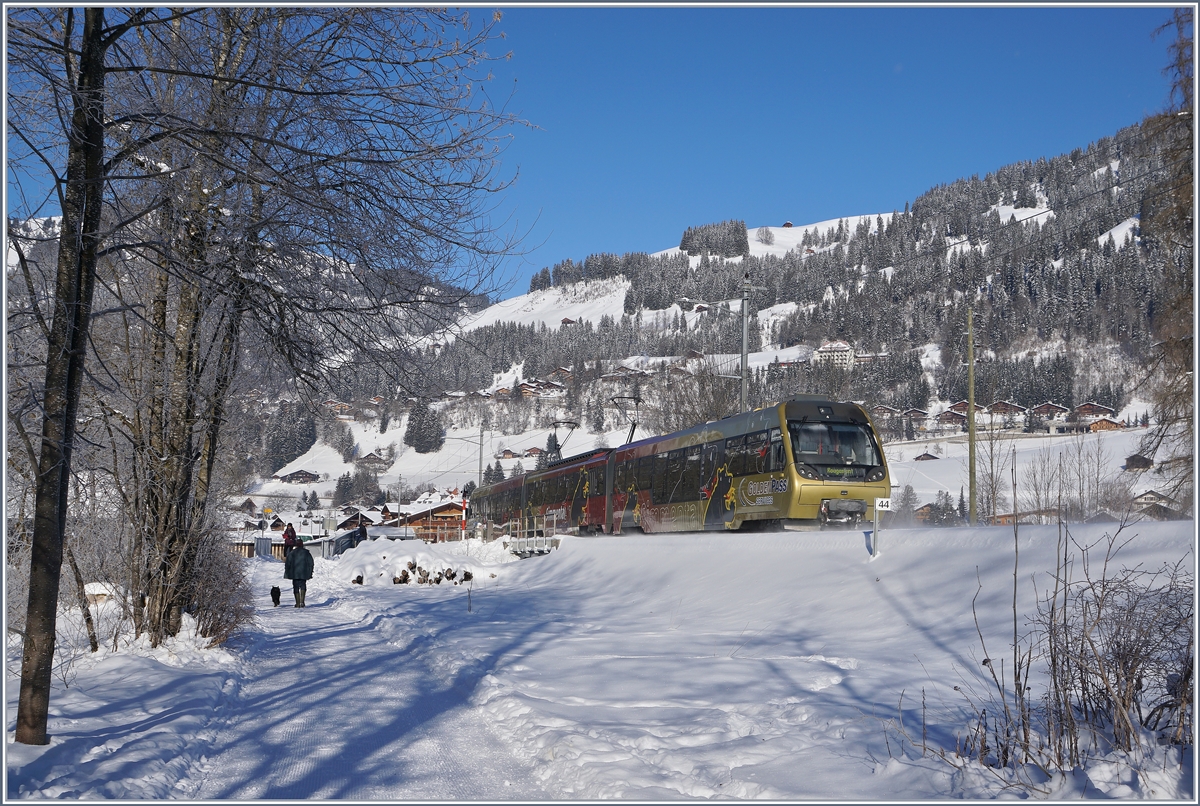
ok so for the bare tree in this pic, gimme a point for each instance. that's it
(1040, 482)
(992, 463)
(311, 183)
(1169, 221)
(710, 392)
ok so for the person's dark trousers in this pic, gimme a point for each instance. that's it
(298, 590)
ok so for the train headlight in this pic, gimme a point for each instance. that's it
(876, 474)
(807, 472)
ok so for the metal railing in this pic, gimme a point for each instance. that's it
(525, 537)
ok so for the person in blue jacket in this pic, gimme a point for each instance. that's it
(298, 567)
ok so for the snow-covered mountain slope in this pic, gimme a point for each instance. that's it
(588, 301)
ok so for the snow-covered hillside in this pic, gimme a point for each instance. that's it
(771, 666)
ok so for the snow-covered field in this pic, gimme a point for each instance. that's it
(640, 667)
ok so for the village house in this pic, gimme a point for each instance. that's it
(355, 520)
(559, 375)
(373, 461)
(1050, 411)
(1105, 424)
(961, 408)
(1005, 408)
(553, 389)
(434, 522)
(1149, 497)
(925, 457)
(883, 411)
(1092, 410)
(298, 477)
(1136, 462)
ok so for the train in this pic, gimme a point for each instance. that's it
(806, 463)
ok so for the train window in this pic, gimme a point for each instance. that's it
(645, 472)
(778, 457)
(659, 482)
(689, 482)
(675, 462)
(734, 450)
(757, 460)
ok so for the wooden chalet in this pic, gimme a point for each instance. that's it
(1134, 462)
(529, 388)
(436, 522)
(950, 417)
(355, 520)
(922, 513)
(1105, 424)
(1093, 410)
(1050, 411)
(534, 452)
(1034, 516)
(299, 477)
(961, 408)
(248, 506)
(1149, 497)
(925, 457)
(916, 415)
(559, 375)
(1005, 408)
(373, 461)
(883, 411)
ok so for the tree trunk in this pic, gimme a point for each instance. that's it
(74, 284)
(83, 602)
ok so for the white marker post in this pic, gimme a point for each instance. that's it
(884, 504)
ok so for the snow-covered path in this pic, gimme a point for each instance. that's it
(339, 703)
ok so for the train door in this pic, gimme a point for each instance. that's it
(715, 481)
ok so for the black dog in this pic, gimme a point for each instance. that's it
(275, 596)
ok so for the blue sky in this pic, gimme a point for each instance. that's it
(650, 120)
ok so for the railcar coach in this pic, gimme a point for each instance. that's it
(805, 463)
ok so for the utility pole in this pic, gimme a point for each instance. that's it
(745, 339)
(971, 413)
(746, 289)
(479, 481)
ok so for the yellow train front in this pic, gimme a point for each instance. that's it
(806, 463)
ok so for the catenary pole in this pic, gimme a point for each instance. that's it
(745, 340)
(971, 413)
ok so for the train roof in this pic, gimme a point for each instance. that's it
(592, 454)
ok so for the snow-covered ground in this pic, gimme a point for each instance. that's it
(641, 667)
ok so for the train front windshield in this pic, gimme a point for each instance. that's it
(825, 443)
